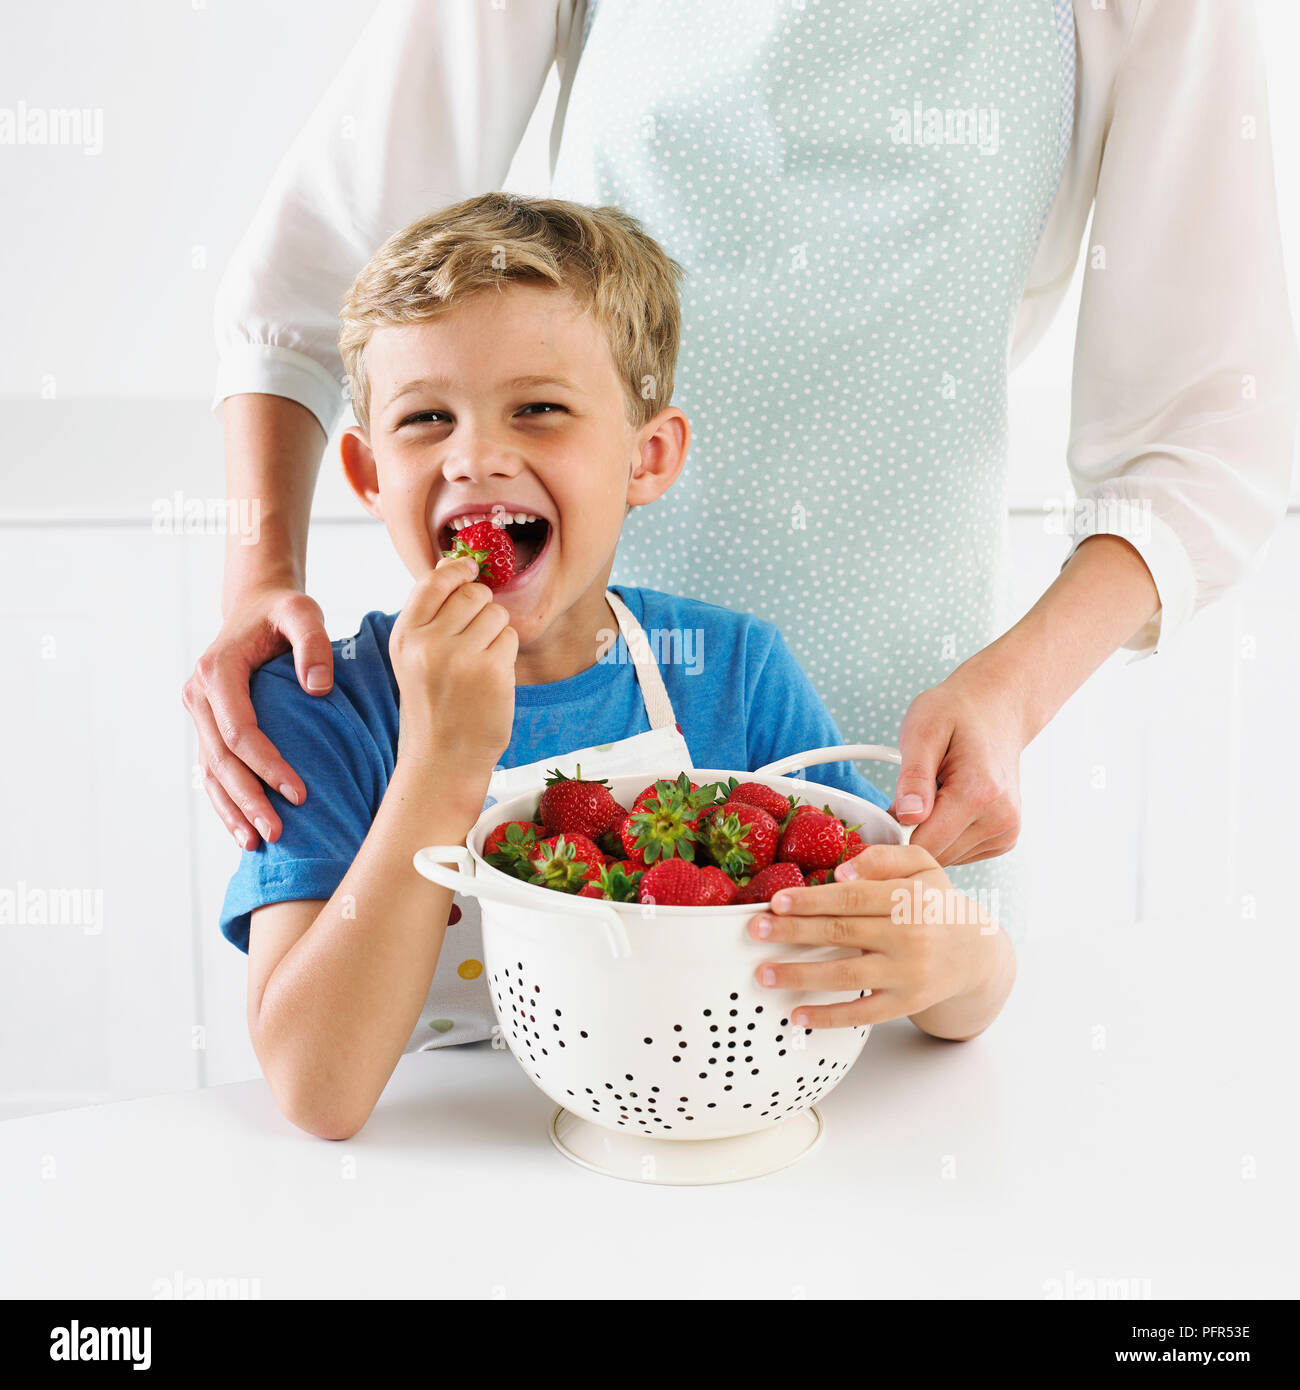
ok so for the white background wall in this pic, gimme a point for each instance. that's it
(1166, 788)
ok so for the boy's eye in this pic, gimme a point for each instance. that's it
(543, 405)
(421, 417)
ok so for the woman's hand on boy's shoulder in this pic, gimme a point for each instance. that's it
(233, 752)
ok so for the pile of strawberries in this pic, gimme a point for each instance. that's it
(679, 845)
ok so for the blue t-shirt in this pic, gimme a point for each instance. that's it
(740, 698)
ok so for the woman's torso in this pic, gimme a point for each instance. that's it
(856, 192)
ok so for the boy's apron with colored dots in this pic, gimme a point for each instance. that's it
(855, 192)
(458, 1008)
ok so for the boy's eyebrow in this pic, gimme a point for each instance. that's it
(439, 383)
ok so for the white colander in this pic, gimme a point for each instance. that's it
(644, 1023)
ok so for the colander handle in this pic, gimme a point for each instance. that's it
(876, 752)
(431, 863)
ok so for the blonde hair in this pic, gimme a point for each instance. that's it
(613, 269)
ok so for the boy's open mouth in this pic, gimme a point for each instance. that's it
(529, 536)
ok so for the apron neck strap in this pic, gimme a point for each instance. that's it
(658, 707)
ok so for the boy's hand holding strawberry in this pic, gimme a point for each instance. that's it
(453, 653)
(927, 953)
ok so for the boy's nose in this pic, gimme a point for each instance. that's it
(478, 464)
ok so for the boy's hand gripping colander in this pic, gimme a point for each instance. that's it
(645, 1023)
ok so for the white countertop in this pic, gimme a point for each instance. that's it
(1130, 1117)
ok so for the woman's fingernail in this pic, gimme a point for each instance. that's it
(263, 828)
(781, 903)
(910, 804)
(843, 871)
(288, 793)
(765, 925)
(318, 678)
(800, 1020)
(767, 976)
(240, 838)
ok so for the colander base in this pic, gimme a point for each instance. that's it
(685, 1162)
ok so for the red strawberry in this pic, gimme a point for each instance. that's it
(854, 844)
(627, 834)
(490, 544)
(617, 882)
(776, 805)
(741, 838)
(673, 883)
(577, 805)
(565, 863)
(813, 841)
(666, 823)
(768, 882)
(682, 783)
(719, 890)
(510, 844)
(818, 876)
(497, 839)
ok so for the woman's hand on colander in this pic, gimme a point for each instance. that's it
(923, 943)
(453, 653)
(959, 783)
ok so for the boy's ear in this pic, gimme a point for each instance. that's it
(660, 456)
(359, 469)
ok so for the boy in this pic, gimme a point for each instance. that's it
(514, 358)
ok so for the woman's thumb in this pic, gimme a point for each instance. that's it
(922, 745)
(303, 624)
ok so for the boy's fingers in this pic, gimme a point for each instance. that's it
(854, 973)
(878, 1007)
(485, 626)
(865, 931)
(430, 594)
(887, 861)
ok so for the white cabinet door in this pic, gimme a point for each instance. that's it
(98, 991)
(351, 570)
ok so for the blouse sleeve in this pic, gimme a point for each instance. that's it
(428, 108)
(1185, 368)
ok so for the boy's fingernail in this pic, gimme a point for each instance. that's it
(910, 804)
(845, 871)
(318, 678)
(767, 975)
(800, 1020)
(781, 903)
(765, 926)
(288, 793)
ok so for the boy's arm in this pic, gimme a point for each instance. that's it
(335, 988)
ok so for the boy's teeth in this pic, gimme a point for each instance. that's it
(460, 522)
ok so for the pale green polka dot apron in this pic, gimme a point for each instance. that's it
(856, 191)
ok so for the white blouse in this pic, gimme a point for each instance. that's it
(1186, 375)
